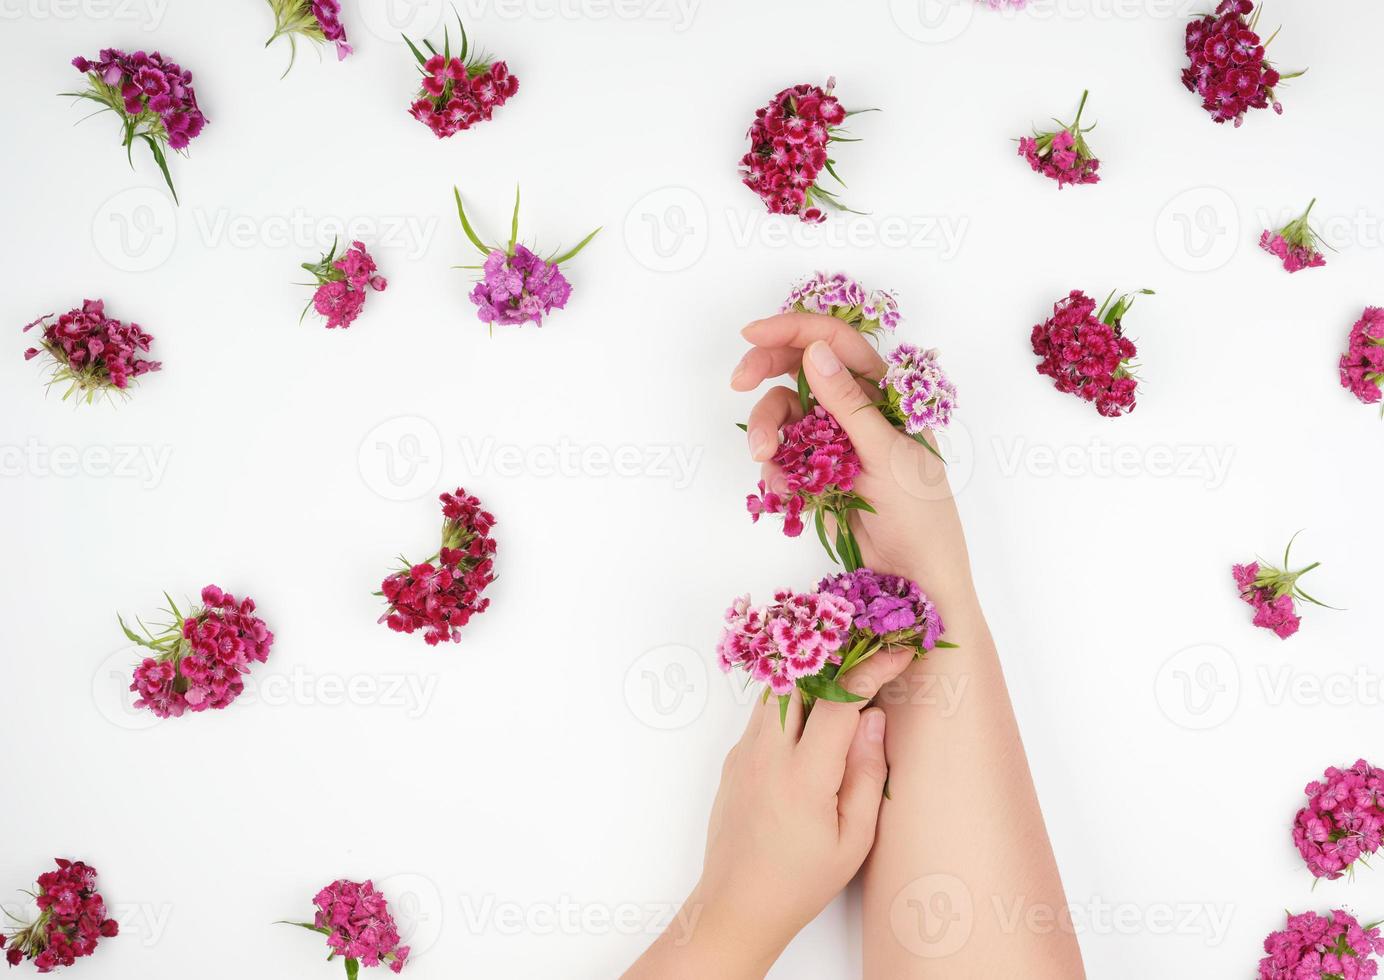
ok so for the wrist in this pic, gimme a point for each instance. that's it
(728, 937)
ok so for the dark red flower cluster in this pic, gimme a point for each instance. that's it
(788, 150)
(199, 660)
(1226, 63)
(91, 351)
(439, 596)
(1086, 353)
(819, 466)
(71, 920)
(148, 83)
(456, 93)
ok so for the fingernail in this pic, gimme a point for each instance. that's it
(824, 359)
(739, 369)
(874, 726)
(761, 448)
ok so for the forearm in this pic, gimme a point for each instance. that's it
(702, 941)
(962, 881)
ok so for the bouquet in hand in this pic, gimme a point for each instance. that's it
(342, 284)
(1362, 365)
(1322, 947)
(92, 353)
(458, 92)
(152, 97)
(359, 928)
(439, 596)
(316, 20)
(198, 661)
(1295, 244)
(517, 285)
(71, 920)
(1343, 820)
(1271, 592)
(1063, 155)
(809, 639)
(1085, 351)
(789, 150)
(1226, 64)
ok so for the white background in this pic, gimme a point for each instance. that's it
(565, 754)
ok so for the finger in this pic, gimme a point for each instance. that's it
(832, 725)
(840, 394)
(778, 407)
(781, 728)
(772, 475)
(760, 363)
(862, 786)
(802, 330)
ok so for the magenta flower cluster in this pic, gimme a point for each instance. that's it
(794, 637)
(1087, 355)
(1226, 64)
(149, 88)
(869, 311)
(788, 150)
(328, 16)
(1321, 947)
(1272, 610)
(93, 352)
(917, 389)
(344, 283)
(71, 920)
(456, 93)
(887, 606)
(1295, 244)
(818, 465)
(359, 926)
(1062, 155)
(1343, 820)
(1362, 365)
(519, 288)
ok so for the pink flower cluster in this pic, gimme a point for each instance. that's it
(199, 662)
(1320, 947)
(1272, 611)
(918, 392)
(457, 93)
(868, 311)
(91, 351)
(888, 606)
(328, 16)
(519, 288)
(343, 284)
(317, 20)
(1295, 244)
(154, 93)
(1226, 65)
(794, 637)
(788, 150)
(439, 596)
(1088, 355)
(358, 925)
(1342, 821)
(1362, 365)
(1063, 155)
(71, 920)
(818, 465)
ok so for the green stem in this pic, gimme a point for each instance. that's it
(1076, 124)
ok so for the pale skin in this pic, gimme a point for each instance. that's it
(958, 875)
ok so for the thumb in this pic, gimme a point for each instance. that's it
(841, 395)
(862, 786)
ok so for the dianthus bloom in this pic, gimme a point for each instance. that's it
(918, 395)
(199, 660)
(1342, 821)
(1226, 64)
(71, 920)
(1295, 244)
(868, 311)
(316, 20)
(458, 93)
(1085, 352)
(152, 96)
(788, 151)
(1271, 592)
(343, 284)
(1362, 365)
(889, 608)
(517, 286)
(1063, 155)
(356, 920)
(1321, 947)
(439, 596)
(92, 353)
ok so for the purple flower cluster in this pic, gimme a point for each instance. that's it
(151, 90)
(868, 311)
(316, 20)
(918, 392)
(519, 287)
(887, 606)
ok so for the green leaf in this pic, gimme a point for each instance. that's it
(945, 645)
(826, 689)
(784, 700)
(130, 634)
(514, 222)
(921, 440)
(466, 225)
(352, 969)
(742, 426)
(414, 48)
(173, 608)
(572, 253)
(832, 170)
(822, 534)
(804, 393)
(465, 44)
(163, 164)
(304, 925)
(859, 503)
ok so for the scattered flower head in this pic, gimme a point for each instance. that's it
(198, 661)
(439, 596)
(1342, 821)
(71, 920)
(919, 397)
(316, 20)
(356, 920)
(517, 286)
(152, 96)
(1063, 155)
(92, 353)
(870, 312)
(1295, 244)
(1362, 365)
(1322, 947)
(1271, 592)
(342, 284)
(458, 92)
(1226, 64)
(1085, 351)
(789, 142)
(890, 608)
